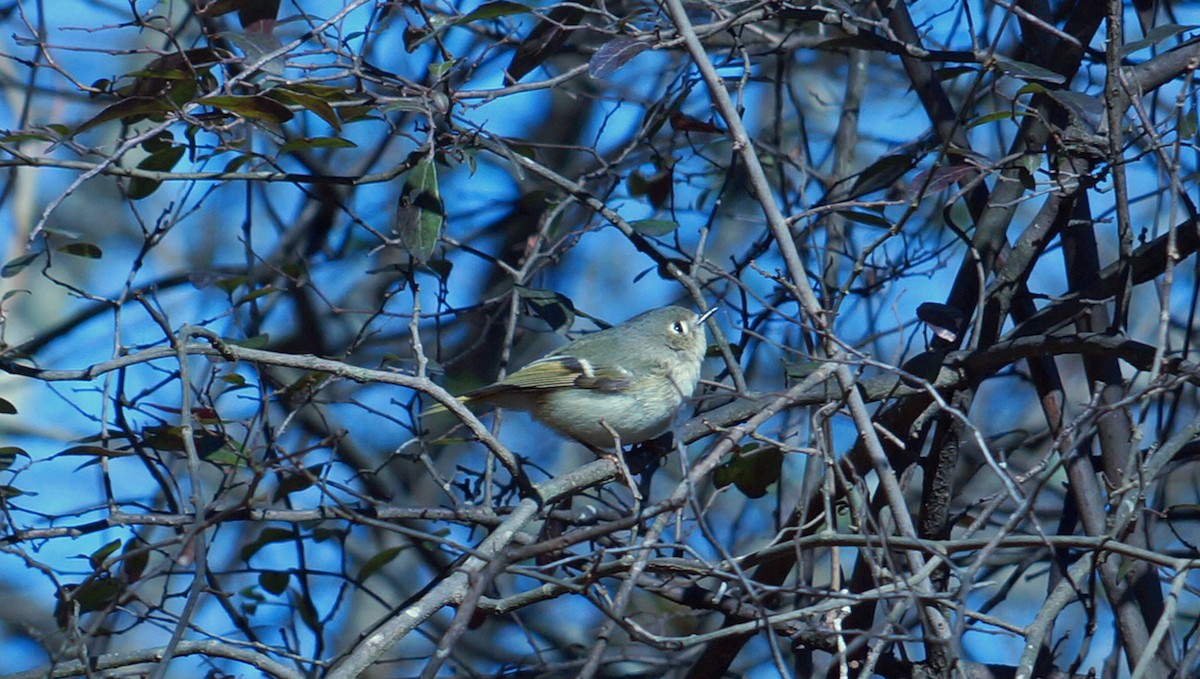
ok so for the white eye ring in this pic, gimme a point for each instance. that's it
(679, 327)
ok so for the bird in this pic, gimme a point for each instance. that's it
(624, 385)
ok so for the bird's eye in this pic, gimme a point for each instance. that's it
(679, 327)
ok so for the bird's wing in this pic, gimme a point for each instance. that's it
(560, 372)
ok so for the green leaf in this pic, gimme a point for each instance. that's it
(9, 454)
(1187, 124)
(654, 227)
(751, 470)
(377, 562)
(255, 294)
(226, 454)
(256, 342)
(994, 116)
(93, 595)
(86, 250)
(97, 557)
(313, 103)
(1030, 88)
(420, 214)
(170, 438)
(25, 136)
(12, 491)
(440, 68)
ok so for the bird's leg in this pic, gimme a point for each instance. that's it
(619, 459)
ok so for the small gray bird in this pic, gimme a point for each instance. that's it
(629, 380)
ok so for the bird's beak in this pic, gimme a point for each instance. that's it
(704, 316)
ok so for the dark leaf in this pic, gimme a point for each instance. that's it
(216, 8)
(252, 107)
(1086, 108)
(309, 143)
(275, 582)
(129, 110)
(18, 264)
(925, 365)
(303, 605)
(295, 481)
(941, 316)
(1153, 37)
(554, 308)
(544, 41)
(7, 408)
(134, 562)
(614, 54)
(799, 370)
(93, 451)
(879, 175)
(161, 161)
(1008, 441)
(492, 10)
(1027, 71)
(654, 227)
(951, 72)
(258, 15)
(682, 122)
(868, 218)
(268, 536)
(659, 186)
(943, 177)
